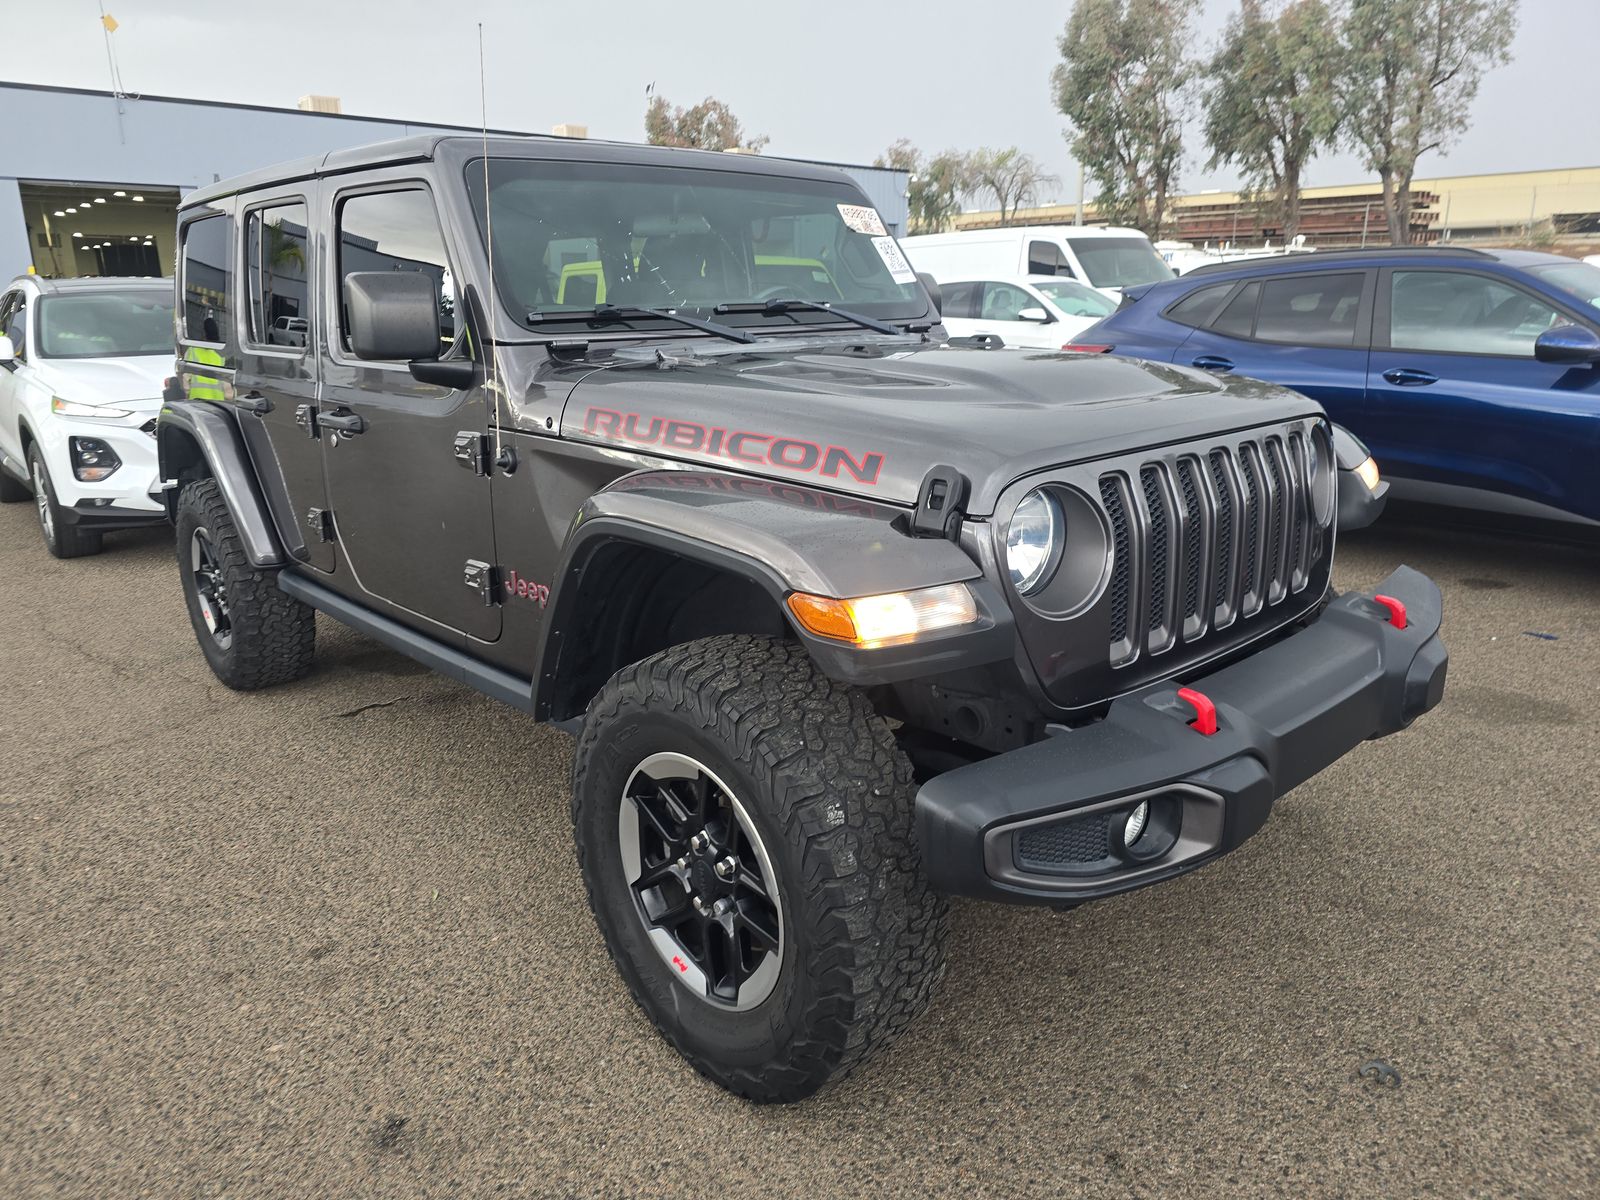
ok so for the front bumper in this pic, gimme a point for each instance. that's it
(1023, 826)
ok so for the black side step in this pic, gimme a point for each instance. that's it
(431, 652)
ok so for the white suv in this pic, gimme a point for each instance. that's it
(81, 368)
(1042, 312)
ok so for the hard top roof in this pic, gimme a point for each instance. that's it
(460, 147)
(1372, 256)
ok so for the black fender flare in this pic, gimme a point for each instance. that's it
(189, 427)
(783, 538)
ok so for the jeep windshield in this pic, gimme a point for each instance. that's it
(570, 238)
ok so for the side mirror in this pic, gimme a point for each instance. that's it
(931, 286)
(1573, 344)
(8, 352)
(1035, 314)
(392, 315)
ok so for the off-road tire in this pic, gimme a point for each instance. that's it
(61, 537)
(819, 774)
(273, 635)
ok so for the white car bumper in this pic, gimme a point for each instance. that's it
(130, 495)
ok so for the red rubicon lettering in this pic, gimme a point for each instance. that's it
(742, 445)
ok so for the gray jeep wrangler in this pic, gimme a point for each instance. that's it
(669, 449)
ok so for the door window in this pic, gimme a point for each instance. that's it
(1310, 310)
(1045, 258)
(207, 278)
(13, 321)
(1454, 312)
(1239, 318)
(276, 258)
(395, 231)
(1002, 302)
(959, 300)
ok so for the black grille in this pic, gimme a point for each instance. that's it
(149, 427)
(1156, 505)
(1240, 533)
(1111, 497)
(1084, 840)
(1191, 541)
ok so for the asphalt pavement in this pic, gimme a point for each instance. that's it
(330, 940)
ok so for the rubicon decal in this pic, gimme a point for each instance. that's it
(737, 445)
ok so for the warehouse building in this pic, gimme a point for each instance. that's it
(1514, 205)
(93, 187)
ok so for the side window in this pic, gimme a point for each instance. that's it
(1239, 318)
(958, 300)
(1458, 313)
(14, 322)
(1310, 310)
(1002, 302)
(395, 231)
(276, 260)
(1045, 258)
(207, 271)
(1197, 308)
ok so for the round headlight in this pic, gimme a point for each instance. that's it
(1324, 478)
(1033, 541)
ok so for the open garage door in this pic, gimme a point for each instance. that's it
(82, 229)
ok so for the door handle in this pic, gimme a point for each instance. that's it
(1214, 362)
(1409, 377)
(254, 402)
(347, 423)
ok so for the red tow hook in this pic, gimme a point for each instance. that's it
(1397, 610)
(1205, 712)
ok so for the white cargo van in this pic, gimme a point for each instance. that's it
(1102, 256)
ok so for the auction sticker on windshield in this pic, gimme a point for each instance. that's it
(889, 250)
(859, 218)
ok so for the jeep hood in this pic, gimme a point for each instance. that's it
(871, 420)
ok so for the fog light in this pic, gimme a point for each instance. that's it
(93, 460)
(1136, 822)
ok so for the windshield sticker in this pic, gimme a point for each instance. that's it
(862, 219)
(899, 269)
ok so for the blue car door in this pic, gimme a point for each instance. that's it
(1459, 401)
(1308, 331)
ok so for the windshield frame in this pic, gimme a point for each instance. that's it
(46, 301)
(563, 324)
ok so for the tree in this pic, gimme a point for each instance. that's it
(1012, 177)
(1414, 70)
(1272, 102)
(937, 184)
(1123, 81)
(709, 125)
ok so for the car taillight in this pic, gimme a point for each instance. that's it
(1088, 348)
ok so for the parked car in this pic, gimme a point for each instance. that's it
(844, 619)
(288, 331)
(1473, 375)
(1042, 312)
(81, 367)
(1102, 256)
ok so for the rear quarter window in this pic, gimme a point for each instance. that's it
(1199, 307)
(207, 267)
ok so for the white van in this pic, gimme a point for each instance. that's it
(1102, 256)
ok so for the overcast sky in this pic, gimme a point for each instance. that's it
(824, 80)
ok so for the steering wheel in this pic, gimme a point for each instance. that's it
(778, 291)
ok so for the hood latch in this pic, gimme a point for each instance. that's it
(939, 504)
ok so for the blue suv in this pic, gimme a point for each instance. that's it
(1473, 375)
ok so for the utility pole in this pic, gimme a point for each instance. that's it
(1079, 220)
(1366, 215)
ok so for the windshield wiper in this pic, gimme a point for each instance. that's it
(776, 308)
(607, 313)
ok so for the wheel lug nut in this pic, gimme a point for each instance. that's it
(682, 864)
(726, 868)
(722, 907)
(699, 842)
(699, 904)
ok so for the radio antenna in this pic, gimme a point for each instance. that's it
(488, 233)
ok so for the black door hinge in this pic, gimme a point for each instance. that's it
(482, 578)
(320, 522)
(472, 451)
(305, 416)
(939, 504)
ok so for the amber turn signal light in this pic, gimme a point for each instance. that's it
(887, 619)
